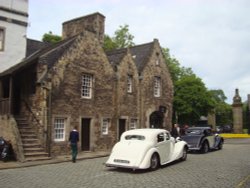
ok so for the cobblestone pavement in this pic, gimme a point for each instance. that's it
(227, 168)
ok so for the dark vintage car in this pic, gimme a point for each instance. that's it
(6, 150)
(202, 139)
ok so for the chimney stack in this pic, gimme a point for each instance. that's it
(93, 23)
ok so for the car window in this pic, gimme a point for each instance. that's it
(160, 137)
(208, 132)
(193, 131)
(167, 136)
(134, 137)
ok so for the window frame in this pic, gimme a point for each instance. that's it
(133, 123)
(2, 39)
(130, 83)
(105, 126)
(87, 86)
(157, 86)
(64, 123)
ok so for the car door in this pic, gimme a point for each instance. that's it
(210, 137)
(163, 146)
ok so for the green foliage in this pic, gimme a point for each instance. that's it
(122, 39)
(222, 109)
(191, 99)
(175, 68)
(51, 38)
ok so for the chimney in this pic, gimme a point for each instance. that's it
(93, 23)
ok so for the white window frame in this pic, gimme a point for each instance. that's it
(157, 61)
(87, 86)
(2, 37)
(59, 129)
(133, 123)
(130, 84)
(105, 126)
(157, 86)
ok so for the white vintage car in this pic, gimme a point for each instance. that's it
(146, 148)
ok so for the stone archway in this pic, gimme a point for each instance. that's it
(156, 119)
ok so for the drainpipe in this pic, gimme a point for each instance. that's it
(49, 124)
(48, 131)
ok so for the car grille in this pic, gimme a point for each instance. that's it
(121, 161)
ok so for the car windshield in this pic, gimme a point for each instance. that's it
(134, 137)
(193, 131)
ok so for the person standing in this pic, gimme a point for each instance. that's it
(73, 139)
(175, 131)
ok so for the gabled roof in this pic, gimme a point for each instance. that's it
(48, 55)
(140, 54)
(115, 56)
(35, 45)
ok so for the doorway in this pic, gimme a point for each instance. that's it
(156, 119)
(85, 134)
(121, 127)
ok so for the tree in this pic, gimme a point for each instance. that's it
(175, 68)
(51, 38)
(223, 111)
(191, 99)
(122, 39)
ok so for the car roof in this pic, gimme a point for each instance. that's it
(145, 132)
(201, 128)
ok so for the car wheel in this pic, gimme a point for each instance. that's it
(154, 162)
(205, 147)
(184, 154)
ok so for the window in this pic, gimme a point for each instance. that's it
(157, 61)
(59, 128)
(160, 137)
(105, 126)
(130, 80)
(87, 84)
(133, 123)
(157, 87)
(2, 33)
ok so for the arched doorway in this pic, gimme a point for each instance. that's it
(156, 119)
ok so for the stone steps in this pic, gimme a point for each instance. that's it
(33, 151)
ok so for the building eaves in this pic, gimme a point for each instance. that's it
(47, 55)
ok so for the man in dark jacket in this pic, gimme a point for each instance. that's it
(74, 138)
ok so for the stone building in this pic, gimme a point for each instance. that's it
(76, 83)
(13, 29)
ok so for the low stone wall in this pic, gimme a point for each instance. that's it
(10, 132)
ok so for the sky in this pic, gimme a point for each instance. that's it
(212, 37)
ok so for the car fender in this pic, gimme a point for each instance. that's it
(178, 150)
(145, 163)
(203, 139)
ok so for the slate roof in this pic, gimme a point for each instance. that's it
(115, 56)
(34, 45)
(140, 54)
(48, 55)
